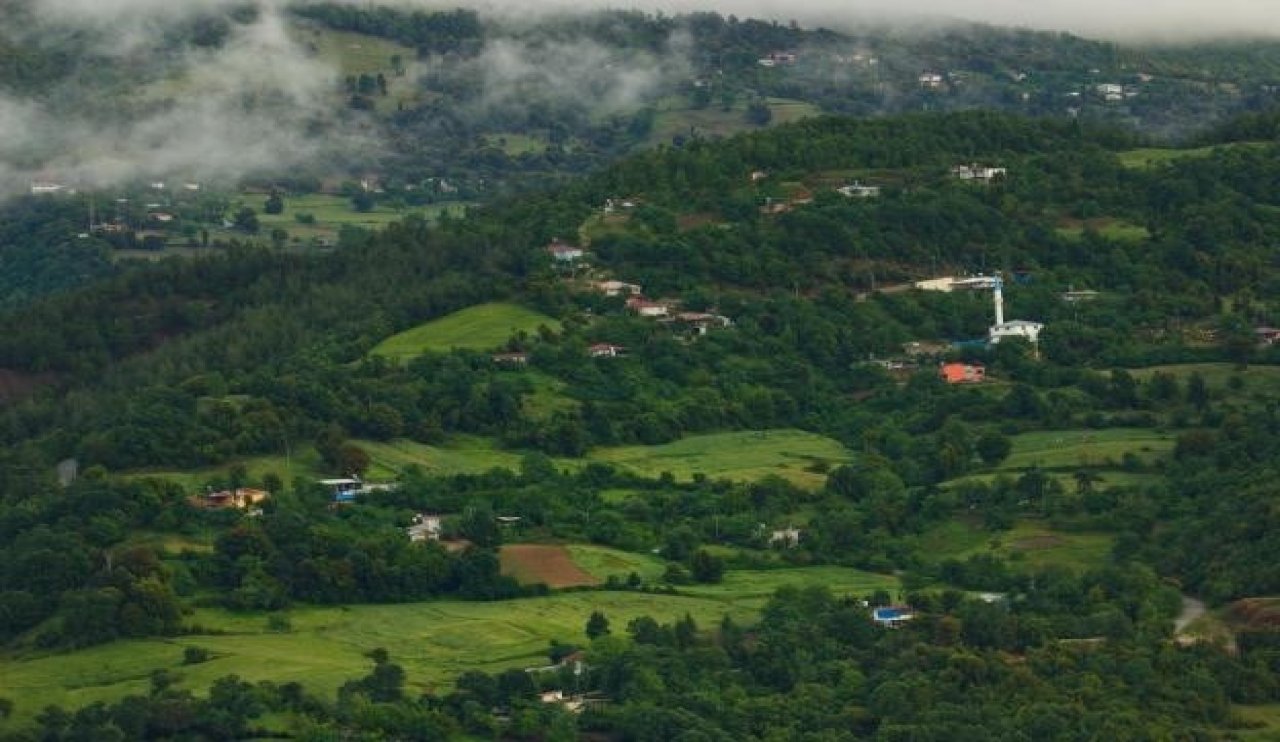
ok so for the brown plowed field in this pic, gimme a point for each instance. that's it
(534, 563)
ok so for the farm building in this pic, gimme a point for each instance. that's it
(975, 171)
(647, 308)
(241, 498)
(963, 373)
(426, 527)
(858, 190)
(343, 489)
(618, 288)
(565, 253)
(605, 350)
(511, 359)
(892, 616)
(701, 322)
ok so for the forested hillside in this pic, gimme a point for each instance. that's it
(785, 422)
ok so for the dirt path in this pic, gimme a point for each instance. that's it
(1192, 609)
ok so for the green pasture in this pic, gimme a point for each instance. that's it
(482, 327)
(1218, 376)
(435, 642)
(602, 562)
(1151, 157)
(331, 213)
(741, 455)
(1261, 722)
(1085, 448)
(676, 118)
(1029, 543)
(1117, 230)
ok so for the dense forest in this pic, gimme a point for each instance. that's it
(210, 361)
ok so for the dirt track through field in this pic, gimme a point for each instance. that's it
(533, 563)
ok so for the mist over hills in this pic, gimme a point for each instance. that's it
(99, 94)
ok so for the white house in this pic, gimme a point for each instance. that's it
(1018, 328)
(618, 288)
(931, 80)
(564, 253)
(974, 171)
(646, 308)
(857, 190)
(605, 350)
(426, 527)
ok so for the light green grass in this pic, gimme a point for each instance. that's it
(460, 455)
(548, 397)
(740, 456)
(1028, 543)
(1150, 157)
(1117, 230)
(435, 642)
(482, 327)
(333, 212)
(1072, 449)
(1263, 721)
(1217, 376)
(602, 562)
(1106, 479)
(675, 118)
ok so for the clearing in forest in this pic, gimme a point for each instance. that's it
(800, 457)
(482, 327)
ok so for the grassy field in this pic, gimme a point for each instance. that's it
(1263, 722)
(331, 213)
(1118, 230)
(482, 327)
(1028, 543)
(677, 119)
(602, 562)
(433, 641)
(1150, 157)
(741, 456)
(1072, 449)
(518, 144)
(1218, 376)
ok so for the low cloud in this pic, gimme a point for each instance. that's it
(259, 103)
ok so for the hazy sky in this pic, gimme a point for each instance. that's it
(1163, 19)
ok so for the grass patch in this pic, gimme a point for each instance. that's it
(1027, 543)
(461, 455)
(1152, 157)
(482, 327)
(1260, 722)
(1218, 376)
(741, 456)
(1116, 230)
(435, 642)
(331, 213)
(1074, 449)
(602, 562)
(676, 118)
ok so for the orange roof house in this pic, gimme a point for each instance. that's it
(963, 373)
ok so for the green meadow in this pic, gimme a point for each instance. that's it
(435, 642)
(1150, 157)
(331, 212)
(795, 455)
(1086, 448)
(1028, 543)
(482, 327)
(676, 118)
